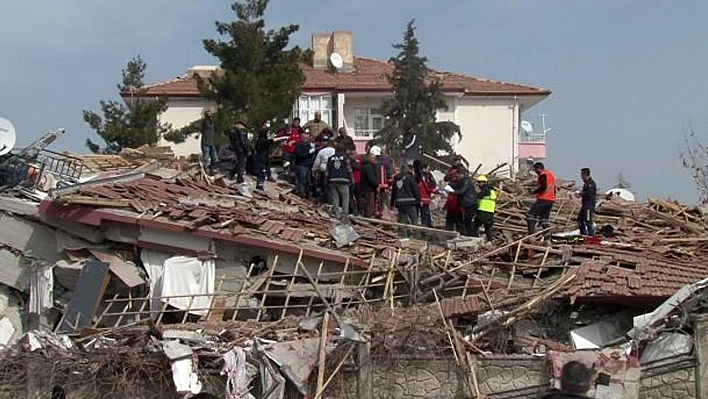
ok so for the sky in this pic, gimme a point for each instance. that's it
(629, 77)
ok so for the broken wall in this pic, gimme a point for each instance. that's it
(673, 378)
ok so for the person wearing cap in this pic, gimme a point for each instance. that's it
(384, 165)
(486, 207)
(574, 381)
(317, 125)
(304, 159)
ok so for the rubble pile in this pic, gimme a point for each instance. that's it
(144, 270)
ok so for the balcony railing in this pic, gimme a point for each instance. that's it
(364, 134)
(539, 138)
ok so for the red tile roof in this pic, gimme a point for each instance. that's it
(369, 75)
(634, 277)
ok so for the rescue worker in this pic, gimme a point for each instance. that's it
(290, 136)
(405, 196)
(486, 207)
(586, 216)
(317, 125)
(385, 170)
(338, 176)
(545, 192)
(575, 382)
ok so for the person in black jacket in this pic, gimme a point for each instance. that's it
(586, 216)
(304, 159)
(261, 157)
(575, 382)
(465, 191)
(338, 177)
(369, 184)
(405, 196)
(238, 139)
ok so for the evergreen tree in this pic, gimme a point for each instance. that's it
(416, 99)
(131, 124)
(259, 77)
(622, 182)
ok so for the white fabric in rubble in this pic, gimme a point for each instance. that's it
(236, 374)
(180, 276)
(184, 373)
(10, 318)
(41, 287)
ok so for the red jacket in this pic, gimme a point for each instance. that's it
(427, 189)
(357, 165)
(293, 137)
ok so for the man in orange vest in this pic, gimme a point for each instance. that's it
(540, 212)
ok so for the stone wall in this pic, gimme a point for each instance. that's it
(501, 377)
(512, 376)
(672, 379)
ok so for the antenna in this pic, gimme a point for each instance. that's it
(543, 124)
(7, 136)
(336, 60)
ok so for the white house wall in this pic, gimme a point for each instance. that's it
(181, 112)
(489, 131)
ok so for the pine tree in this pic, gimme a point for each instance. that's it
(131, 124)
(416, 99)
(259, 78)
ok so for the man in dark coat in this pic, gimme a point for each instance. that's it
(405, 196)
(238, 139)
(261, 157)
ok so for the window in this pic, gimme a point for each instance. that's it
(367, 121)
(306, 106)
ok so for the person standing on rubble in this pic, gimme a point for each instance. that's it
(345, 140)
(575, 382)
(356, 202)
(290, 136)
(261, 157)
(304, 159)
(319, 168)
(208, 133)
(405, 196)
(586, 216)
(369, 185)
(338, 176)
(238, 139)
(428, 187)
(485, 208)
(464, 190)
(545, 192)
(385, 170)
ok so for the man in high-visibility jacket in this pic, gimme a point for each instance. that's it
(486, 207)
(540, 212)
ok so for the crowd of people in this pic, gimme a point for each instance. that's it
(326, 167)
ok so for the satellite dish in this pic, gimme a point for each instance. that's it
(336, 60)
(7, 136)
(527, 127)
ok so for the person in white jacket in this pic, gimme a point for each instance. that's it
(320, 167)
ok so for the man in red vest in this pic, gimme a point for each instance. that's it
(540, 212)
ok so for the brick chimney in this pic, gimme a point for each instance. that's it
(326, 43)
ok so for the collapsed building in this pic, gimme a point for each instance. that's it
(140, 276)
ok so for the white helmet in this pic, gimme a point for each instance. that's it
(375, 151)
